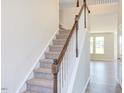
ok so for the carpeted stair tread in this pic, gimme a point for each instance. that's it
(41, 82)
(55, 48)
(46, 60)
(28, 91)
(43, 70)
(52, 55)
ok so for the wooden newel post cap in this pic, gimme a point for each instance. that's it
(55, 67)
(76, 17)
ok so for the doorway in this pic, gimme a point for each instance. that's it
(102, 46)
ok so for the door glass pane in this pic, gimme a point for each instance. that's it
(91, 45)
(99, 45)
(120, 42)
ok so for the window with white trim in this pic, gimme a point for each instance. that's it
(99, 45)
(91, 45)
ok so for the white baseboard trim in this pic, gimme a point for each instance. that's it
(36, 64)
(85, 87)
(120, 83)
(105, 60)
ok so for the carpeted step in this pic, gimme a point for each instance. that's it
(29, 91)
(64, 31)
(40, 85)
(43, 73)
(55, 48)
(46, 63)
(52, 55)
(59, 41)
(61, 36)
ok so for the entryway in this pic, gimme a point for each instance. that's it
(103, 78)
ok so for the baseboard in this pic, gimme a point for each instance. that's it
(85, 87)
(36, 64)
(107, 60)
(120, 83)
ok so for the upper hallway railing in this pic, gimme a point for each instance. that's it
(96, 2)
(62, 67)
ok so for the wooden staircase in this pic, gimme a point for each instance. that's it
(45, 78)
(42, 81)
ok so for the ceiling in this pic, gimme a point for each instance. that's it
(72, 3)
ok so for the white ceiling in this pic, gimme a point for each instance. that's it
(72, 3)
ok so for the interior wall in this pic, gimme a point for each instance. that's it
(119, 53)
(83, 71)
(25, 28)
(68, 16)
(103, 23)
(60, 15)
(108, 47)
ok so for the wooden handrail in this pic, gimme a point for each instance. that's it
(76, 35)
(58, 61)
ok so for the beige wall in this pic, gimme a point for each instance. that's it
(103, 23)
(83, 71)
(68, 16)
(108, 47)
(119, 62)
(27, 27)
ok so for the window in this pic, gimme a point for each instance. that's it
(91, 45)
(120, 46)
(99, 45)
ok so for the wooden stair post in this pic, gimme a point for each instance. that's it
(55, 73)
(76, 21)
(77, 5)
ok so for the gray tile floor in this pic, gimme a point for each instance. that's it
(103, 78)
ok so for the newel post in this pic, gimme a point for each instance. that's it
(77, 5)
(76, 21)
(85, 24)
(55, 73)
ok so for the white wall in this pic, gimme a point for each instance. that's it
(119, 53)
(83, 71)
(27, 26)
(68, 16)
(103, 23)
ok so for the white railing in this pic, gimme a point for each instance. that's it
(68, 63)
(93, 2)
